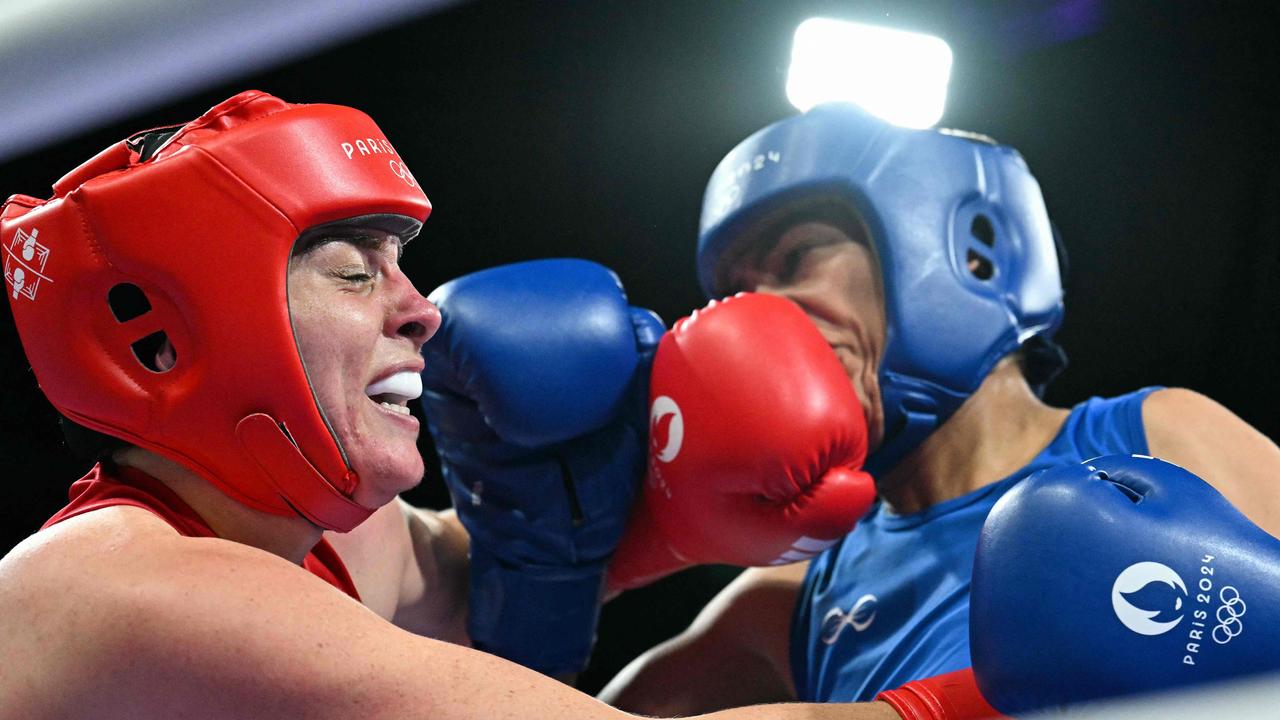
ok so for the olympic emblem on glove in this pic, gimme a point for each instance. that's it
(1135, 581)
(1143, 585)
(1228, 615)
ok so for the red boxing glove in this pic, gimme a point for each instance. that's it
(756, 445)
(953, 696)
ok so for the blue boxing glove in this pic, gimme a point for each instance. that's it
(1122, 575)
(535, 392)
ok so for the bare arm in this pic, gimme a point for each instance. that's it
(123, 618)
(809, 711)
(115, 616)
(410, 566)
(1189, 429)
(433, 595)
(735, 653)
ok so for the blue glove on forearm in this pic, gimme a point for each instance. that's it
(535, 394)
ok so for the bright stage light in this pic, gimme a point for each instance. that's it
(896, 75)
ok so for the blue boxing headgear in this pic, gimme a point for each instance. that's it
(966, 252)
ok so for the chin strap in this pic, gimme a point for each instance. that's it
(301, 486)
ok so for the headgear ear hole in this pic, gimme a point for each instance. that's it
(148, 352)
(127, 301)
(981, 228)
(979, 266)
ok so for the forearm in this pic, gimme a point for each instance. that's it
(1196, 433)
(808, 711)
(434, 592)
(682, 676)
(734, 654)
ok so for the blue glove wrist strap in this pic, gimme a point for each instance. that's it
(564, 599)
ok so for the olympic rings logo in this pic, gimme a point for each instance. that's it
(1229, 614)
(403, 173)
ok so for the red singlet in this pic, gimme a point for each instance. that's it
(127, 486)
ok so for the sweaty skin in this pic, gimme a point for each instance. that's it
(348, 342)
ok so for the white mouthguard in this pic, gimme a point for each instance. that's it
(405, 385)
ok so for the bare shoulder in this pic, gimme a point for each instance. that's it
(410, 566)
(56, 588)
(1175, 405)
(433, 595)
(119, 583)
(1200, 434)
(377, 553)
(116, 615)
(85, 555)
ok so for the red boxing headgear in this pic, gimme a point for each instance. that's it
(202, 220)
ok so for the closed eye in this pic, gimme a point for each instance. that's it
(788, 260)
(792, 261)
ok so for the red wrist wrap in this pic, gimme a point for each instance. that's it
(953, 696)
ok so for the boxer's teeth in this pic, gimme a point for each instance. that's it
(401, 387)
(401, 409)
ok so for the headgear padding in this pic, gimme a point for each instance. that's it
(202, 220)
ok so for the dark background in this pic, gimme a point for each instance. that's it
(588, 128)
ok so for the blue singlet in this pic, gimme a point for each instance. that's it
(890, 602)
